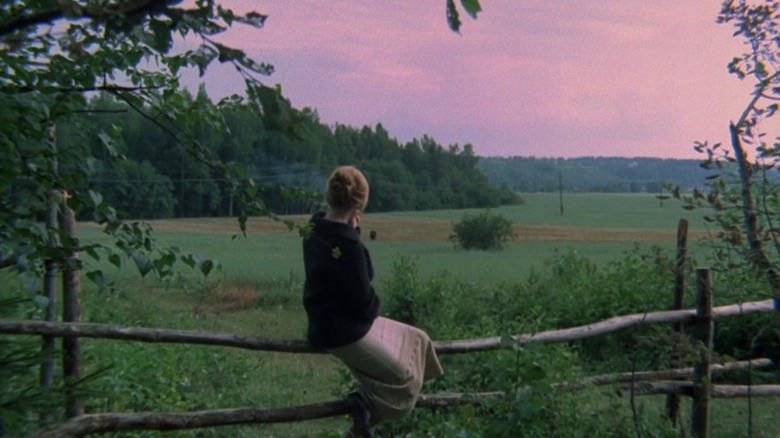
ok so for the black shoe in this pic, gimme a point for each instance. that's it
(361, 413)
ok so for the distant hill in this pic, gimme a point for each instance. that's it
(592, 174)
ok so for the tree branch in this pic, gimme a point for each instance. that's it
(147, 116)
(29, 20)
(108, 87)
(25, 21)
(757, 255)
(757, 95)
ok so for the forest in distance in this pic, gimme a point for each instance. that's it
(593, 174)
(148, 176)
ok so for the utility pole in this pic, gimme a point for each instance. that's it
(560, 190)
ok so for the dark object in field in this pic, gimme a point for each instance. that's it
(373, 234)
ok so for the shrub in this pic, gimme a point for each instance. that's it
(483, 231)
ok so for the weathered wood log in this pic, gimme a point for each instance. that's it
(167, 421)
(91, 330)
(71, 312)
(50, 292)
(101, 423)
(686, 388)
(673, 400)
(702, 375)
(677, 373)
(455, 399)
(152, 335)
(603, 327)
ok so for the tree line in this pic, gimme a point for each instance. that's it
(146, 174)
(593, 174)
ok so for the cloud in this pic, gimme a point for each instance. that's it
(560, 78)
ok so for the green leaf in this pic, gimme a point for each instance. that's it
(31, 281)
(203, 57)
(306, 230)
(115, 260)
(41, 301)
(141, 262)
(253, 19)
(277, 111)
(533, 373)
(96, 197)
(161, 41)
(90, 250)
(188, 260)
(453, 20)
(228, 54)
(206, 267)
(471, 7)
(108, 142)
(97, 278)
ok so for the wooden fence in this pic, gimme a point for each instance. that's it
(631, 384)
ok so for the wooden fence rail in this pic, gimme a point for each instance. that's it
(157, 335)
(167, 421)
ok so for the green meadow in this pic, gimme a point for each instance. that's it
(277, 255)
(589, 210)
(610, 255)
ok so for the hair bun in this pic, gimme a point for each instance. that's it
(346, 188)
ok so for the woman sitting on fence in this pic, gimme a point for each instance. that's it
(390, 360)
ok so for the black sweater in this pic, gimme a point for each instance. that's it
(338, 297)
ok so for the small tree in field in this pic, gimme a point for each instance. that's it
(483, 231)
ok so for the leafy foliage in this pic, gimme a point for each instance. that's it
(55, 56)
(742, 191)
(569, 290)
(483, 231)
(471, 7)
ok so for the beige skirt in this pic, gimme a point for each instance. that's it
(391, 362)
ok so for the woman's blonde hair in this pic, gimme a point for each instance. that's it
(346, 188)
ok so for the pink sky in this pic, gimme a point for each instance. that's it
(528, 78)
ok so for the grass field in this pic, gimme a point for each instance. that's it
(258, 293)
(597, 226)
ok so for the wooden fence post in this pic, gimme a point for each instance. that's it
(71, 312)
(50, 278)
(701, 370)
(673, 400)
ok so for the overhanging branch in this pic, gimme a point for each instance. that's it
(26, 21)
